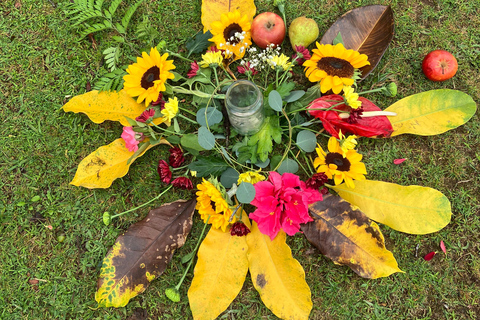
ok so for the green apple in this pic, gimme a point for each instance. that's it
(303, 32)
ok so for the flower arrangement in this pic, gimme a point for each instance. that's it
(268, 157)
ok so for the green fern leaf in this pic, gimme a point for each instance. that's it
(128, 15)
(92, 29)
(98, 5)
(113, 6)
(111, 81)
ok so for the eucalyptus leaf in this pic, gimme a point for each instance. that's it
(288, 165)
(229, 177)
(262, 164)
(294, 96)
(275, 161)
(205, 138)
(245, 192)
(275, 100)
(306, 140)
(173, 139)
(190, 143)
(209, 116)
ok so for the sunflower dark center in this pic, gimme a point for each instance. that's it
(337, 159)
(214, 207)
(149, 77)
(336, 67)
(230, 31)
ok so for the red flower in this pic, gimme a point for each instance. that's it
(182, 183)
(301, 55)
(239, 229)
(429, 256)
(246, 68)
(159, 101)
(194, 67)
(147, 114)
(317, 181)
(164, 171)
(176, 157)
(365, 126)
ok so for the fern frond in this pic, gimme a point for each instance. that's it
(112, 56)
(94, 28)
(111, 81)
(128, 15)
(98, 5)
(86, 15)
(113, 6)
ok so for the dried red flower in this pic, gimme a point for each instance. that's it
(164, 171)
(246, 67)
(194, 67)
(147, 114)
(176, 157)
(159, 101)
(182, 183)
(317, 180)
(239, 229)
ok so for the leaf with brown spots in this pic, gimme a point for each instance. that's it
(348, 237)
(368, 30)
(277, 276)
(142, 253)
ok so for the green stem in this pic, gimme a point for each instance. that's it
(163, 129)
(186, 118)
(142, 205)
(312, 172)
(188, 111)
(293, 154)
(191, 261)
(289, 139)
(370, 91)
(216, 76)
(178, 55)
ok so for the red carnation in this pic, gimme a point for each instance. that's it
(239, 229)
(301, 55)
(176, 157)
(159, 101)
(317, 181)
(182, 183)
(194, 67)
(147, 114)
(164, 171)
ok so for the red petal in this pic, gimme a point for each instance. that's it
(398, 161)
(429, 256)
(442, 246)
(365, 127)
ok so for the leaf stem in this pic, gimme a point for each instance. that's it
(178, 55)
(187, 118)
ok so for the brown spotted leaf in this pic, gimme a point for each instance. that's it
(348, 237)
(368, 30)
(142, 253)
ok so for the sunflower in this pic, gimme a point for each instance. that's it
(339, 165)
(146, 78)
(232, 34)
(334, 66)
(211, 203)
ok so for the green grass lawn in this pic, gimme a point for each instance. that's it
(43, 62)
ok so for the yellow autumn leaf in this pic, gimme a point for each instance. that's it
(219, 273)
(409, 209)
(277, 276)
(107, 105)
(213, 9)
(431, 112)
(348, 237)
(101, 167)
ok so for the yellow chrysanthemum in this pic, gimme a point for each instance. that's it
(146, 78)
(339, 166)
(351, 98)
(212, 206)
(170, 110)
(211, 59)
(232, 34)
(250, 176)
(281, 61)
(334, 66)
(347, 143)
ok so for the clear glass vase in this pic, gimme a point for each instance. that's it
(244, 103)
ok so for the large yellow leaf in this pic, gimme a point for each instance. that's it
(348, 237)
(219, 273)
(213, 9)
(431, 112)
(277, 276)
(143, 252)
(107, 105)
(101, 167)
(412, 209)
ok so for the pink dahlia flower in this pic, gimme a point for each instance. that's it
(282, 203)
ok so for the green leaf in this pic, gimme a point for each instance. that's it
(285, 88)
(210, 115)
(206, 138)
(288, 165)
(338, 39)
(306, 140)
(245, 192)
(129, 13)
(190, 143)
(205, 166)
(35, 199)
(229, 177)
(199, 42)
(263, 138)
(275, 161)
(431, 112)
(294, 96)
(173, 139)
(275, 100)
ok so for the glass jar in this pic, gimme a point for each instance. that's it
(244, 103)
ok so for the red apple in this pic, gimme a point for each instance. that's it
(268, 28)
(439, 65)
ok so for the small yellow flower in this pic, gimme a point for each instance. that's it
(251, 177)
(281, 61)
(170, 110)
(193, 173)
(351, 98)
(347, 143)
(211, 59)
